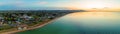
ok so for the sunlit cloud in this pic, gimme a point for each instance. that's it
(79, 4)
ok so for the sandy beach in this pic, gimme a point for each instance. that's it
(15, 30)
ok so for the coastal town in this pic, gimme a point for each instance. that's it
(26, 19)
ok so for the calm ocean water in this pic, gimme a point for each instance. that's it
(82, 23)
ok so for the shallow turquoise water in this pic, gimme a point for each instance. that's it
(82, 23)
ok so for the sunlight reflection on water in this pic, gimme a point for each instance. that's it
(82, 22)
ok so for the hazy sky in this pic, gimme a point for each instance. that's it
(12, 4)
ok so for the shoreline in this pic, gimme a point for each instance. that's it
(39, 25)
(32, 27)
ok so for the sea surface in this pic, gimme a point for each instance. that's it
(82, 23)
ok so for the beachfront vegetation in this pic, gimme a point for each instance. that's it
(19, 18)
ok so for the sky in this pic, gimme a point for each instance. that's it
(58, 4)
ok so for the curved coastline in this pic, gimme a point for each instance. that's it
(14, 30)
(30, 28)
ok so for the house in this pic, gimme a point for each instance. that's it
(22, 27)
